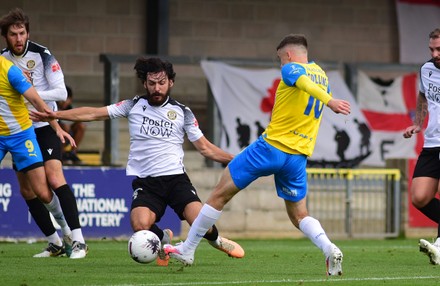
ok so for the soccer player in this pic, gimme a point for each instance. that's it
(17, 134)
(157, 126)
(425, 182)
(45, 74)
(282, 150)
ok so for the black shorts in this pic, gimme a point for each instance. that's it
(428, 163)
(50, 144)
(156, 193)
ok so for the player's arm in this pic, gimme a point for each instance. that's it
(421, 110)
(34, 98)
(306, 84)
(55, 78)
(336, 105)
(421, 113)
(211, 151)
(82, 114)
(61, 133)
(57, 92)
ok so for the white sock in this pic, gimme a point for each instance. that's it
(54, 208)
(204, 221)
(314, 231)
(55, 239)
(437, 241)
(77, 235)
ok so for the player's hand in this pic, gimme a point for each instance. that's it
(339, 106)
(45, 116)
(411, 130)
(63, 135)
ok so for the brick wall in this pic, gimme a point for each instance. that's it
(77, 32)
(337, 30)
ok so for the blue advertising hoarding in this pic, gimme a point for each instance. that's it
(103, 196)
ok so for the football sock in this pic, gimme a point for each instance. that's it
(213, 235)
(432, 210)
(68, 205)
(314, 231)
(204, 221)
(41, 216)
(55, 239)
(54, 208)
(157, 231)
(77, 235)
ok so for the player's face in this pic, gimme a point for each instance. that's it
(158, 88)
(16, 39)
(434, 47)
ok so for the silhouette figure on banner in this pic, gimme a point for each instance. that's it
(342, 140)
(244, 134)
(366, 135)
(260, 129)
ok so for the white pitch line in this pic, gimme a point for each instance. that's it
(328, 280)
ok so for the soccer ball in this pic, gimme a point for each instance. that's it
(144, 246)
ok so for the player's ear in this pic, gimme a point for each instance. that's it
(171, 82)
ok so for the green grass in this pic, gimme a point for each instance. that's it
(267, 262)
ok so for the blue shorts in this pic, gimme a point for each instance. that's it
(262, 159)
(24, 149)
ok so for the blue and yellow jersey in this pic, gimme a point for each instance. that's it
(14, 116)
(296, 115)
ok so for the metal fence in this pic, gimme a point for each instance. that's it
(356, 203)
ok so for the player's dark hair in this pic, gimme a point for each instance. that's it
(293, 39)
(144, 66)
(15, 17)
(435, 34)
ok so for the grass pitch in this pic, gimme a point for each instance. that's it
(267, 262)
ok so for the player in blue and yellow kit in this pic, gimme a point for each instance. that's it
(17, 134)
(282, 150)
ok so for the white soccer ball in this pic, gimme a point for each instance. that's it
(144, 246)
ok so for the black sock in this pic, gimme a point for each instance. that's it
(41, 216)
(154, 228)
(68, 205)
(432, 210)
(213, 235)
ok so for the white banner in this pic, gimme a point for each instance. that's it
(245, 98)
(389, 110)
(416, 19)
